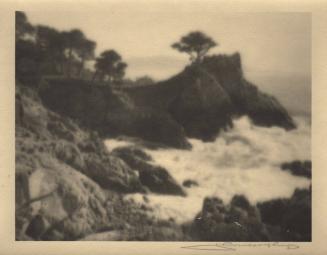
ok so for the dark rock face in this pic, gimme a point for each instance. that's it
(290, 219)
(110, 112)
(151, 125)
(298, 168)
(274, 220)
(156, 178)
(190, 183)
(238, 221)
(202, 107)
(198, 102)
(37, 227)
(263, 110)
(193, 98)
(204, 98)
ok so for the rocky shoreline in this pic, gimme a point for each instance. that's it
(197, 103)
(70, 187)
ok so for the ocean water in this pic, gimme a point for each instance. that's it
(245, 160)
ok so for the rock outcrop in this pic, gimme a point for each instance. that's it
(193, 98)
(205, 97)
(154, 177)
(110, 112)
(263, 109)
(289, 219)
(238, 221)
(298, 168)
(198, 102)
(64, 175)
(273, 220)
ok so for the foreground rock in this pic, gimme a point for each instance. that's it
(156, 178)
(64, 175)
(289, 219)
(298, 168)
(134, 222)
(274, 220)
(238, 221)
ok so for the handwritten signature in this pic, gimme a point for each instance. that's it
(230, 246)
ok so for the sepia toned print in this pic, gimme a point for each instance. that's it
(140, 131)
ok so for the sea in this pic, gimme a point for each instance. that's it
(244, 160)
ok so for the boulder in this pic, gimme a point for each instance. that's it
(298, 168)
(190, 183)
(290, 217)
(156, 178)
(238, 221)
(64, 202)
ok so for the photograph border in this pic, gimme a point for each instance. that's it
(9, 246)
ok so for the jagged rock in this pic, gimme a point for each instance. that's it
(202, 107)
(151, 125)
(291, 218)
(298, 168)
(272, 211)
(64, 201)
(56, 177)
(189, 183)
(238, 221)
(198, 102)
(156, 178)
(37, 226)
(263, 110)
(110, 112)
(112, 172)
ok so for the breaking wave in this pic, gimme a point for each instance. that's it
(245, 160)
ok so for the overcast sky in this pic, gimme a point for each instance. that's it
(269, 43)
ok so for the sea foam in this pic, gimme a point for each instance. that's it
(244, 160)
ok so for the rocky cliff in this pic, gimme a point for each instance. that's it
(204, 98)
(110, 112)
(198, 102)
(263, 109)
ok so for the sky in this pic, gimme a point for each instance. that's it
(268, 42)
(271, 44)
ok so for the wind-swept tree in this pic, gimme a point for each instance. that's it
(110, 65)
(196, 44)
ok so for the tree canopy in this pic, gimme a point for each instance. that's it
(49, 51)
(23, 27)
(196, 44)
(110, 65)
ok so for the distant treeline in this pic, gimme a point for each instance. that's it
(43, 51)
